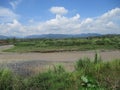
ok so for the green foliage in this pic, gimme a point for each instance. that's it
(5, 79)
(88, 82)
(88, 75)
(82, 64)
(56, 79)
(98, 74)
(10, 81)
(70, 44)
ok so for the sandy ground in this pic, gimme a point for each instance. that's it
(57, 56)
(26, 62)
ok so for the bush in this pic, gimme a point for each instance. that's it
(88, 75)
(10, 81)
(6, 79)
(56, 79)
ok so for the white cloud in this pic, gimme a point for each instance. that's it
(14, 3)
(6, 15)
(112, 13)
(76, 17)
(109, 22)
(58, 10)
(62, 25)
(13, 28)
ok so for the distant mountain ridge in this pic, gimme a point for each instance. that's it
(3, 37)
(57, 36)
(50, 36)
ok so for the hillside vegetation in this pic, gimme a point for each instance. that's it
(70, 44)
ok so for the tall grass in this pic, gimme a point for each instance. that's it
(88, 75)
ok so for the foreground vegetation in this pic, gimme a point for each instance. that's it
(88, 75)
(70, 44)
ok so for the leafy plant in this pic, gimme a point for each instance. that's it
(87, 75)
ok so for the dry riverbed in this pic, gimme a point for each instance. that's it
(27, 63)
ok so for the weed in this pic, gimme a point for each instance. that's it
(87, 75)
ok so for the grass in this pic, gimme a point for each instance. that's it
(87, 75)
(70, 44)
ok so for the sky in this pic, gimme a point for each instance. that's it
(35, 17)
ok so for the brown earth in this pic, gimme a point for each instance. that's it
(35, 62)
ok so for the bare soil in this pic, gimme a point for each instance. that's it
(27, 63)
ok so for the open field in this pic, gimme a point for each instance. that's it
(37, 62)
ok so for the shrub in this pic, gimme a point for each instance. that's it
(6, 79)
(88, 75)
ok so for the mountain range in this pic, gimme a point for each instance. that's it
(3, 37)
(52, 36)
(57, 36)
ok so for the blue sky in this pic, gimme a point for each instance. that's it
(26, 17)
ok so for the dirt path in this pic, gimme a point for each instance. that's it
(57, 56)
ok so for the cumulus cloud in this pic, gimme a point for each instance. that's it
(62, 24)
(13, 28)
(110, 14)
(6, 15)
(14, 3)
(109, 22)
(58, 10)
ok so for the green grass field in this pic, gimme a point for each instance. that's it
(88, 75)
(70, 44)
